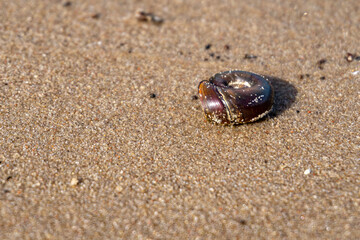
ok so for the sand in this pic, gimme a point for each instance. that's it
(101, 136)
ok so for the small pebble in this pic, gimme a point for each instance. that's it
(156, 19)
(250, 56)
(349, 57)
(302, 76)
(307, 171)
(242, 222)
(74, 182)
(67, 4)
(321, 63)
(96, 16)
(143, 16)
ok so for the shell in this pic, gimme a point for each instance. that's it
(236, 97)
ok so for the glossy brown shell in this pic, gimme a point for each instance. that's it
(235, 97)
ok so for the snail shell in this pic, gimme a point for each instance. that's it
(235, 97)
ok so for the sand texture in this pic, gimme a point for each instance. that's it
(102, 137)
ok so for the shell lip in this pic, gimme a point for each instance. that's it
(215, 107)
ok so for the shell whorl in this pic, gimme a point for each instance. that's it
(235, 97)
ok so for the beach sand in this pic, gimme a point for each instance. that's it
(102, 137)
